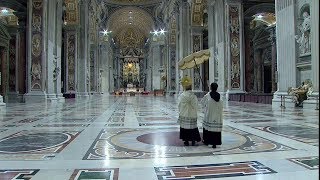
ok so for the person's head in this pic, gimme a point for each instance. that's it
(214, 87)
(189, 87)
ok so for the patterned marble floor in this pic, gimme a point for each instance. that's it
(137, 137)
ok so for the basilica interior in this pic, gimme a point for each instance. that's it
(89, 89)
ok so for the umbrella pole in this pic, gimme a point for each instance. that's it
(199, 73)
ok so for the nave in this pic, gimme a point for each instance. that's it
(137, 137)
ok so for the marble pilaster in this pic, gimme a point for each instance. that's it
(235, 40)
(286, 49)
(315, 44)
(51, 53)
(156, 56)
(272, 38)
(83, 76)
(185, 47)
(36, 44)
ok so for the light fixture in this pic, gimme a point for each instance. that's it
(162, 31)
(130, 12)
(130, 22)
(106, 32)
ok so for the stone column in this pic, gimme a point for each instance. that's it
(58, 38)
(185, 33)
(71, 54)
(83, 76)
(286, 49)
(4, 74)
(257, 70)
(272, 38)
(36, 44)
(51, 53)
(21, 63)
(155, 66)
(12, 65)
(235, 40)
(315, 44)
(106, 67)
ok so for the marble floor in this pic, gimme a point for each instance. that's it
(137, 138)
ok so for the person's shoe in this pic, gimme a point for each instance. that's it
(214, 146)
(186, 143)
(193, 143)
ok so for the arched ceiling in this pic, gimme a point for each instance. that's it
(130, 21)
(134, 2)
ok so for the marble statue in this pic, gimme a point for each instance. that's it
(301, 93)
(304, 39)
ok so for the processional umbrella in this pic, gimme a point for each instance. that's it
(194, 60)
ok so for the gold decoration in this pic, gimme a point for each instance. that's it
(268, 19)
(197, 12)
(301, 93)
(186, 81)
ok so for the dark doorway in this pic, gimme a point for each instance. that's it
(267, 79)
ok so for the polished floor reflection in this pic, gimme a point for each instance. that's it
(137, 137)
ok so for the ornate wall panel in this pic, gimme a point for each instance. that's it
(36, 45)
(234, 36)
(172, 78)
(71, 54)
(197, 12)
(12, 64)
(173, 30)
(71, 16)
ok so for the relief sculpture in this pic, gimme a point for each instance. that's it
(304, 39)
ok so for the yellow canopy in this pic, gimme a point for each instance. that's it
(194, 59)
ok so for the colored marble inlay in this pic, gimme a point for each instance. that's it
(145, 143)
(255, 121)
(85, 174)
(23, 174)
(209, 171)
(62, 125)
(116, 119)
(158, 124)
(305, 134)
(307, 162)
(31, 145)
(29, 120)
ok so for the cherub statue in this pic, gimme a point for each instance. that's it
(301, 93)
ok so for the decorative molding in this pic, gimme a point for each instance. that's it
(234, 35)
(36, 45)
(197, 12)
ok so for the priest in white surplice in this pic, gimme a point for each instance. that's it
(213, 118)
(188, 107)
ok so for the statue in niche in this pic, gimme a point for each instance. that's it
(301, 93)
(304, 39)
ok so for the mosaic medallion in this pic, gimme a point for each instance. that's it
(165, 142)
(24, 174)
(305, 134)
(31, 145)
(86, 174)
(307, 162)
(209, 171)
